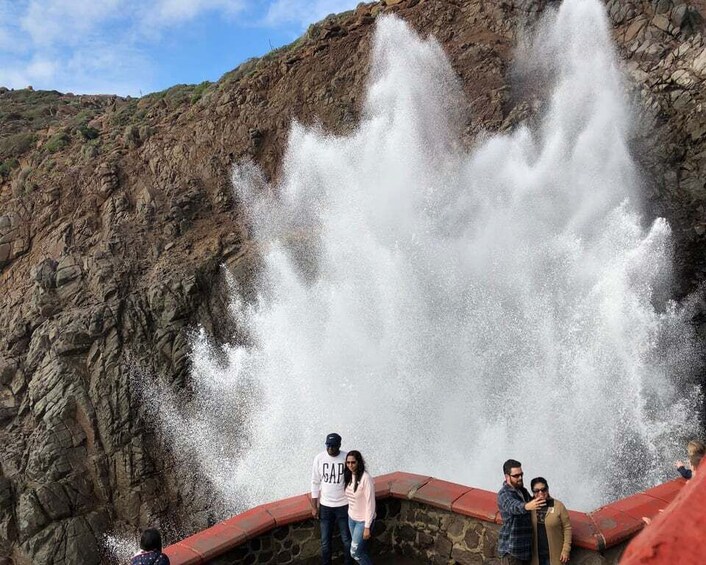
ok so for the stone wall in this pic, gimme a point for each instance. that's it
(434, 535)
(421, 518)
(402, 527)
(295, 543)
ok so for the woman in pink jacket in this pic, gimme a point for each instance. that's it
(360, 492)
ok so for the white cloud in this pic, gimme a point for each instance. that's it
(90, 45)
(97, 69)
(304, 12)
(51, 22)
(13, 77)
(168, 12)
(10, 40)
(6, 39)
(26, 74)
(41, 69)
(106, 68)
(104, 45)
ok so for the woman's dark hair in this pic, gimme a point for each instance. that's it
(538, 480)
(348, 475)
(151, 540)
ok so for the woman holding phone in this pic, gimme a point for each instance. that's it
(360, 492)
(551, 527)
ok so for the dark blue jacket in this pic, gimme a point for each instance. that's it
(150, 558)
(684, 472)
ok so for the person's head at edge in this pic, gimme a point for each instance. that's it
(695, 460)
(512, 470)
(540, 488)
(151, 540)
(355, 465)
(694, 447)
(333, 444)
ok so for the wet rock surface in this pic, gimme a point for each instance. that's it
(116, 215)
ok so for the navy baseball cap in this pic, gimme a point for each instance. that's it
(333, 440)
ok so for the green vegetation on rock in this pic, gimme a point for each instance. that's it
(7, 166)
(199, 90)
(57, 142)
(17, 144)
(88, 132)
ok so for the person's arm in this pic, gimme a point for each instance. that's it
(683, 471)
(315, 487)
(369, 497)
(566, 526)
(510, 505)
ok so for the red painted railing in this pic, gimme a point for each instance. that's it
(597, 530)
(677, 535)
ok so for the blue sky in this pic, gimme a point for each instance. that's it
(133, 47)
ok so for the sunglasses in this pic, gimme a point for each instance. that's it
(538, 490)
(518, 476)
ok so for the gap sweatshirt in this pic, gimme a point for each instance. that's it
(327, 479)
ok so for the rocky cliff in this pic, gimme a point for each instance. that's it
(116, 215)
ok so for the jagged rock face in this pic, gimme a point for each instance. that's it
(116, 214)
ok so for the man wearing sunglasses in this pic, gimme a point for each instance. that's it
(516, 505)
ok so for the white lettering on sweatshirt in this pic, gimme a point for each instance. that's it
(327, 479)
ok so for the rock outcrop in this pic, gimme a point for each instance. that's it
(116, 214)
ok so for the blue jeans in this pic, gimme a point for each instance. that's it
(329, 516)
(359, 546)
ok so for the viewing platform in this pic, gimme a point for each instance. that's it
(421, 519)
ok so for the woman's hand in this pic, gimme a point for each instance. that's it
(366, 533)
(564, 558)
